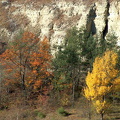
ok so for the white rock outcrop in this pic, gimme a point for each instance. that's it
(52, 20)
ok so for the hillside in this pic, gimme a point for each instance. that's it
(59, 59)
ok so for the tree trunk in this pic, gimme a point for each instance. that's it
(73, 87)
(73, 91)
(102, 115)
(89, 108)
(23, 82)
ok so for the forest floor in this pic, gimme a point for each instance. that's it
(78, 112)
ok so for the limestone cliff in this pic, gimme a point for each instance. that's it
(53, 19)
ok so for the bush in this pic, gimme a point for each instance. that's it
(65, 99)
(62, 112)
(41, 115)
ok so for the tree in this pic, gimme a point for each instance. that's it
(92, 46)
(101, 81)
(16, 58)
(76, 55)
(40, 61)
(67, 63)
(27, 62)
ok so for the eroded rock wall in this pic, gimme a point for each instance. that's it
(53, 19)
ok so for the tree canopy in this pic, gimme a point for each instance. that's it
(101, 81)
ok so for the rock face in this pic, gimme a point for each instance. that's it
(53, 19)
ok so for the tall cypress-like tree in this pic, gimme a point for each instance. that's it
(67, 62)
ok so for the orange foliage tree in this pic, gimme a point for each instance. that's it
(27, 62)
(41, 67)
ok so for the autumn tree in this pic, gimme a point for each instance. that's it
(16, 58)
(101, 81)
(40, 62)
(27, 62)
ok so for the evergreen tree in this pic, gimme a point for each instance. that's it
(67, 62)
(76, 55)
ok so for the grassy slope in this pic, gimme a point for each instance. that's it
(79, 112)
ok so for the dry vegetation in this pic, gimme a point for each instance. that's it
(78, 112)
(10, 21)
(38, 2)
(4, 17)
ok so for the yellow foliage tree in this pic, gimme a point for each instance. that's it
(102, 80)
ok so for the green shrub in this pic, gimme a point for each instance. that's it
(62, 112)
(41, 115)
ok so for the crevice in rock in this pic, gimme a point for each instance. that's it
(2, 47)
(93, 28)
(90, 26)
(105, 31)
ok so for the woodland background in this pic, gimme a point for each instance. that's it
(81, 81)
(84, 70)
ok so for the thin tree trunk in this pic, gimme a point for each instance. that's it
(73, 87)
(23, 73)
(102, 116)
(73, 91)
(89, 110)
(23, 82)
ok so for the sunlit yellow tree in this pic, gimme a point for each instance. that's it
(102, 80)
